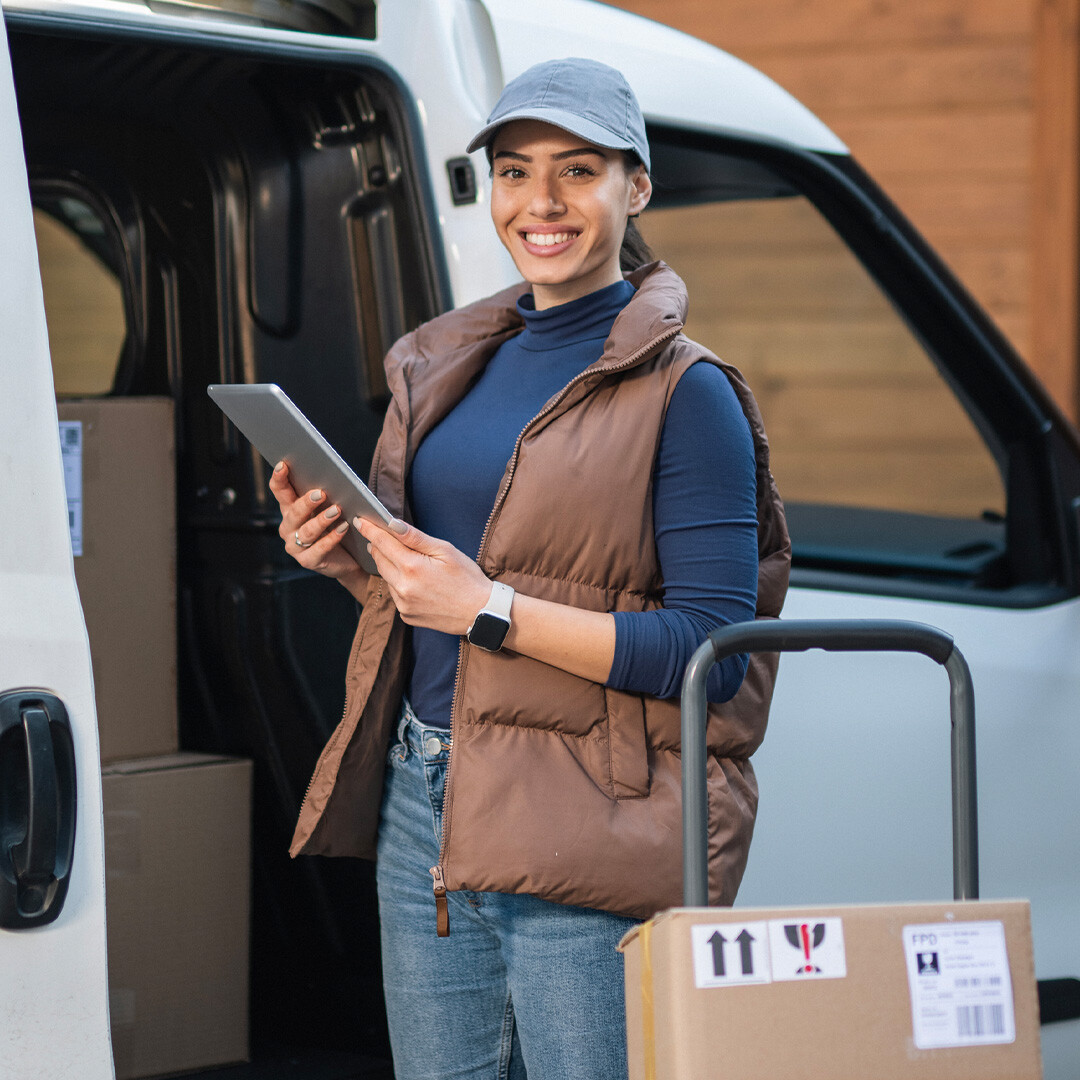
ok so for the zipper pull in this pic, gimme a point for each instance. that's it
(442, 909)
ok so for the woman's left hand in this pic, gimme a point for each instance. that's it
(433, 584)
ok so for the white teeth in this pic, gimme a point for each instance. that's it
(547, 239)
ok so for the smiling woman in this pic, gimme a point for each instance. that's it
(587, 494)
(561, 208)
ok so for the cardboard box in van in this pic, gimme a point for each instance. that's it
(178, 893)
(890, 991)
(119, 464)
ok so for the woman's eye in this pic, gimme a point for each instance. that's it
(511, 172)
(580, 170)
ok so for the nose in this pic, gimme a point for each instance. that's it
(545, 199)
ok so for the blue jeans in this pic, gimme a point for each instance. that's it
(521, 987)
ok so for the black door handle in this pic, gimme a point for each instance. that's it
(35, 858)
(37, 807)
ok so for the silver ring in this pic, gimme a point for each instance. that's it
(299, 543)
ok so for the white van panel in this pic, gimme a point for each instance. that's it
(54, 990)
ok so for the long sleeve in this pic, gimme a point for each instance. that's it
(705, 515)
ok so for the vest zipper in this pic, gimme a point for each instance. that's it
(550, 407)
(442, 911)
(344, 712)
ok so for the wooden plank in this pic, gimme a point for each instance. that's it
(997, 277)
(831, 281)
(973, 209)
(991, 141)
(859, 416)
(751, 27)
(921, 482)
(753, 252)
(766, 351)
(961, 207)
(1055, 280)
(751, 226)
(850, 78)
(1015, 324)
(783, 284)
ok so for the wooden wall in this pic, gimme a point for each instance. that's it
(965, 111)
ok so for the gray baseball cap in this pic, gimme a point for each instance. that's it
(586, 98)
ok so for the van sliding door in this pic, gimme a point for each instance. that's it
(53, 994)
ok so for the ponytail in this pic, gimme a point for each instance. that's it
(634, 251)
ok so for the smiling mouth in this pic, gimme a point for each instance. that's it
(548, 239)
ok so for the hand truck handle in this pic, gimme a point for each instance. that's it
(832, 635)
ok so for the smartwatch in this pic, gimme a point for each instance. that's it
(492, 623)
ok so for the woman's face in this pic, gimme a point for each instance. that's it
(560, 206)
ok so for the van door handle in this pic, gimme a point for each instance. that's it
(35, 857)
(37, 807)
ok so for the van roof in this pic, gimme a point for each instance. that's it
(675, 76)
(678, 79)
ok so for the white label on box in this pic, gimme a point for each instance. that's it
(807, 949)
(961, 993)
(71, 446)
(780, 950)
(730, 954)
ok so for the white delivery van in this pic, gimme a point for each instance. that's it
(277, 193)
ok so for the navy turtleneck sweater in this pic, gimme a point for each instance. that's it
(704, 500)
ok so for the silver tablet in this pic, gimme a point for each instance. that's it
(281, 432)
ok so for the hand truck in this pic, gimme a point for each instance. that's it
(831, 635)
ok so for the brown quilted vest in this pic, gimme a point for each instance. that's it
(557, 786)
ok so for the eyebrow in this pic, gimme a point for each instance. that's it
(560, 156)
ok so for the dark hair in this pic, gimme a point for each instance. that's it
(634, 251)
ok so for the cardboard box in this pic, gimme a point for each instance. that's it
(794, 993)
(122, 509)
(178, 888)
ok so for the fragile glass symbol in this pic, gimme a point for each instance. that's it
(805, 938)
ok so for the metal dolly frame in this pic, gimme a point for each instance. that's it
(831, 635)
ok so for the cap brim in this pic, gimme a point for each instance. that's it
(576, 125)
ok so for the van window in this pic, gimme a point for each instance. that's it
(857, 414)
(84, 301)
(892, 478)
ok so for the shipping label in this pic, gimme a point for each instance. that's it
(71, 450)
(961, 992)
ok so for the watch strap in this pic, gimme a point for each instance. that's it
(500, 601)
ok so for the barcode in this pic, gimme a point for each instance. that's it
(975, 1020)
(71, 519)
(71, 436)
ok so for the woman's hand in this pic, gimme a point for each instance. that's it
(313, 532)
(433, 584)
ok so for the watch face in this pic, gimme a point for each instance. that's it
(489, 631)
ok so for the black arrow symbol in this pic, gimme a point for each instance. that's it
(745, 954)
(718, 941)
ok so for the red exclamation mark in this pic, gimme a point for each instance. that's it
(804, 935)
